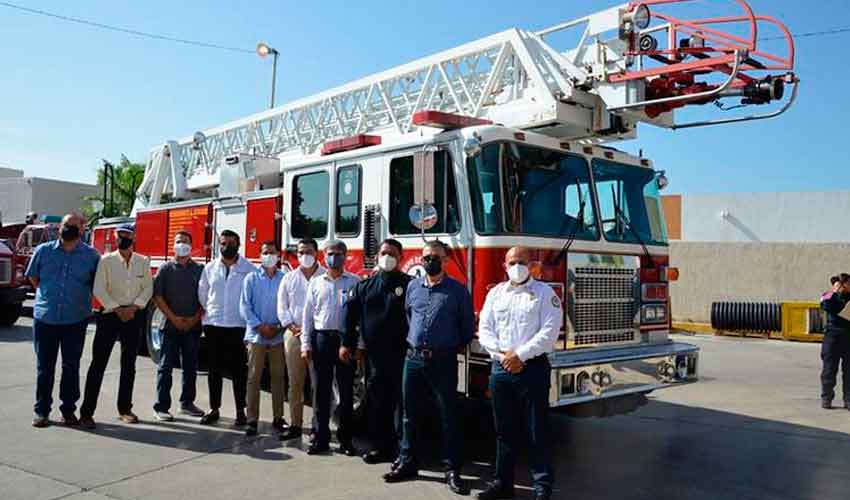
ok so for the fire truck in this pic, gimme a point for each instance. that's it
(500, 142)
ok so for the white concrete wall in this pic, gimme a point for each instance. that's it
(21, 195)
(750, 272)
(10, 172)
(15, 199)
(767, 217)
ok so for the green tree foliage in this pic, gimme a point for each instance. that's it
(121, 182)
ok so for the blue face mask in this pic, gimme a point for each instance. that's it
(334, 261)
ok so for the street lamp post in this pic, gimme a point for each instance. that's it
(263, 50)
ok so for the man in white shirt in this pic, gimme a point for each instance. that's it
(290, 313)
(123, 285)
(219, 293)
(324, 324)
(518, 326)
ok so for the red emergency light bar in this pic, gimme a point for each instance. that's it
(446, 121)
(349, 143)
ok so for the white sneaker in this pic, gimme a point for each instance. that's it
(163, 416)
(191, 410)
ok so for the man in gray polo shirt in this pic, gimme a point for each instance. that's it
(175, 292)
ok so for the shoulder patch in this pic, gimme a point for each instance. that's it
(556, 302)
(827, 295)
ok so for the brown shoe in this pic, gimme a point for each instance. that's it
(87, 423)
(129, 418)
(40, 422)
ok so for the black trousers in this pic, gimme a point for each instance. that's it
(227, 355)
(326, 367)
(518, 398)
(111, 329)
(383, 393)
(835, 350)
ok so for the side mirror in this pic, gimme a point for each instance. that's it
(661, 180)
(423, 178)
(423, 215)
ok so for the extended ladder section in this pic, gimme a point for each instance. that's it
(632, 64)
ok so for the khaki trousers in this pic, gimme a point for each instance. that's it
(256, 363)
(296, 368)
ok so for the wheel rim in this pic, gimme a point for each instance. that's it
(155, 333)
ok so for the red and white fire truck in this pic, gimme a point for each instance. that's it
(496, 143)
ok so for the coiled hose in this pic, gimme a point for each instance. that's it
(754, 317)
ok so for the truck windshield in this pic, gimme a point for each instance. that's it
(518, 189)
(629, 203)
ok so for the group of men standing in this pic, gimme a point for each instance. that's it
(315, 319)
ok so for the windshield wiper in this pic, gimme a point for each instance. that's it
(621, 216)
(579, 223)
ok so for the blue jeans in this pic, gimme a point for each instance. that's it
(177, 349)
(439, 376)
(48, 340)
(518, 398)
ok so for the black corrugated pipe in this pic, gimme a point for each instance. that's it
(755, 317)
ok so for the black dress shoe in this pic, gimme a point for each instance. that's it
(280, 425)
(291, 432)
(826, 404)
(455, 483)
(251, 430)
(348, 449)
(241, 419)
(377, 457)
(403, 472)
(495, 491)
(316, 448)
(210, 418)
(70, 420)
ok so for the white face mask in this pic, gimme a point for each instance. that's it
(306, 261)
(387, 263)
(182, 249)
(269, 260)
(518, 273)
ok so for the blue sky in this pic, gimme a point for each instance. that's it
(70, 94)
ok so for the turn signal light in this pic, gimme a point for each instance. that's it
(671, 273)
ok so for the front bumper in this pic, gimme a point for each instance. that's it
(12, 295)
(585, 376)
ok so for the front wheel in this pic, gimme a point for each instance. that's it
(153, 334)
(9, 313)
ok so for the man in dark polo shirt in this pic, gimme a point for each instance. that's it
(175, 292)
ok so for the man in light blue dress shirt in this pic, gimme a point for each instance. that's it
(263, 336)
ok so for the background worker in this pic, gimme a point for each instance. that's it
(835, 347)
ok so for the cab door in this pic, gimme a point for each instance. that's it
(307, 212)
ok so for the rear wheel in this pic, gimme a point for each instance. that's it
(9, 313)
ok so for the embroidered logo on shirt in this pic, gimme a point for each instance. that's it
(555, 301)
(399, 291)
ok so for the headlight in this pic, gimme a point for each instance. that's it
(654, 313)
(641, 17)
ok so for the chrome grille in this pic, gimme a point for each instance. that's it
(604, 306)
(5, 271)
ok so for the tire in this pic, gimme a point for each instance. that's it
(152, 333)
(9, 313)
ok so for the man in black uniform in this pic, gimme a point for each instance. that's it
(836, 342)
(376, 307)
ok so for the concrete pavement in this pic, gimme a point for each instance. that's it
(751, 428)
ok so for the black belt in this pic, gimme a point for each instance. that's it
(428, 354)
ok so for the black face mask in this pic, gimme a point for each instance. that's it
(433, 266)
(124, 243)
(70, 233)
(229, 251)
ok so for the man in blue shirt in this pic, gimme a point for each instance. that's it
(263, 336)
(62, 272)
(439, 312)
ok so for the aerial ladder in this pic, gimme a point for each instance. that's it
(633, 63)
